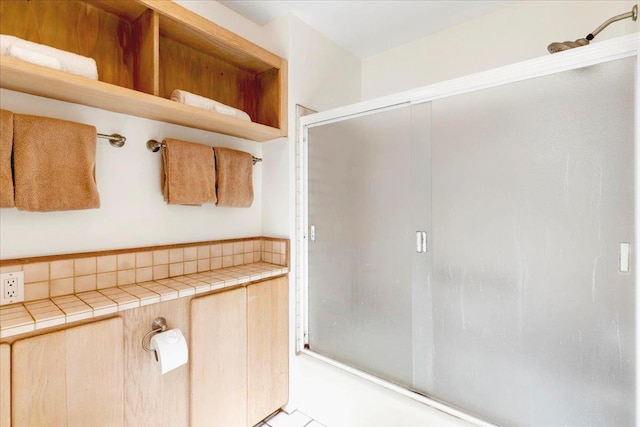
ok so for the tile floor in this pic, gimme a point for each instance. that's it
(330, 397)
(335, 398)
(295, 419)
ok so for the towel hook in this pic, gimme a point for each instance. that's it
(155, 146)
(159, 324)
(115, 139)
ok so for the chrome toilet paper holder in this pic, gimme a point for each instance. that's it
(159, 324)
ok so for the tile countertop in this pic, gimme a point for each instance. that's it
(30, 316)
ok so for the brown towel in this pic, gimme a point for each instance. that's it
(234, 170)
(54, 163)
(189, 176)
(6, 171)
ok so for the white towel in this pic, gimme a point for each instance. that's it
(34, 57)
(69, 62)
(188, 98)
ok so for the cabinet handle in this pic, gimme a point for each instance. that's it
(421, 242)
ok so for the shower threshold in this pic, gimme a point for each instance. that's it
(399, 390)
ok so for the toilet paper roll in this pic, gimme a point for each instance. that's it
(171, 349)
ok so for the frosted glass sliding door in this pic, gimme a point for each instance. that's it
(521, 312)
(364, 215)
(533, 194)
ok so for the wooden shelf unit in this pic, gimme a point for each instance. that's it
(144, 49)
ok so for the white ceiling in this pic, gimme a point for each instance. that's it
(368, 27)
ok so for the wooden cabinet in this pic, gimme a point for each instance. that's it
(5, 385)
(73, 377)
(267, 348)
(237, 373)
(239, 354)
(144, 49)
(152, 399)
(218, 358)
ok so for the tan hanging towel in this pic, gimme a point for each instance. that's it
(234, 170)
(188, 173)
(55, 164)
(6, 170)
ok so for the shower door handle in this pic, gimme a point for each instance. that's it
(421, 242)
(625, 249)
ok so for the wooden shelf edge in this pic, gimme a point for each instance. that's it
(41, 81)
(213, 33)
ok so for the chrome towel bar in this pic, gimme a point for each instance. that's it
(114, 139)
(155, 146)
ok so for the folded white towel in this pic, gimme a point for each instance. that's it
(69, 62)
(34, 57)
(198, 101)
(192, 99)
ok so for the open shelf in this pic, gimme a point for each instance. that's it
(144, 49)
(29, 78)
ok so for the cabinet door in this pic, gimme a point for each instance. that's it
(267, 348)
(5, 385)
(72, 377)
(218, 359)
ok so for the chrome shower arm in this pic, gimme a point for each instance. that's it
(560, 46)
(633, 15)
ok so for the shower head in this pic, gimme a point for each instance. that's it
(560, 46)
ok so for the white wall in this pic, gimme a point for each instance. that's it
(322, 75)
(133, 212)
(514, 33)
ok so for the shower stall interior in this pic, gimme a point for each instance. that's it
(479, 248)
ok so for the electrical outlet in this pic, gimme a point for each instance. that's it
(11, 287)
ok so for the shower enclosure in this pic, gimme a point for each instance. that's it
(475, 242)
